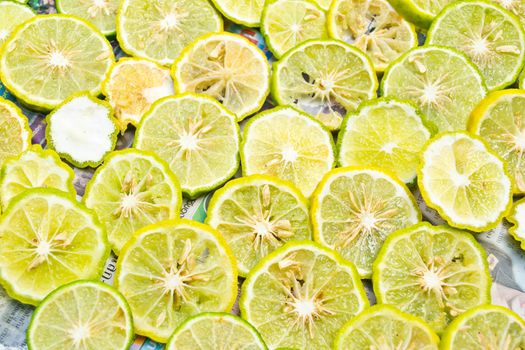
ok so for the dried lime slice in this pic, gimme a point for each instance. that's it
(83, 315)
(173, 270)
(245, 12)
(300, 295)
(101, 13)
(434, 272)
(517, 218)
(11, 15)
(35, 168)
(419, 12)
(48, 239)
(15, 134)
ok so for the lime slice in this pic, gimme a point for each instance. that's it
(257, 214)
(300, 295)
(500, 121)
(47, 239)
(133, 85)
(433, 272)
(465, 182)
(385, 133)
(83, 315)
(354, 209)
(492, 37)
(485, 327)
(160, 29)
(287, 23)
(82, 130)
(73, 56)
(385, 327)
(198, 138)
(443, 83)
(245, 12)
(373, 27)
(11, 15)
(226, 67)
(131, 190)
(101, 13)
(419, 12)
(517, 218)
(15, 134)
(288, 144)
(324, 78)
(172, 270)
(35, 168)
(214, 330)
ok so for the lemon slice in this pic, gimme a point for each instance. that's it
(160, 29)
(198, 138)
(35, 168)
(101, 13)
(47, 239)
(83, 315)
(385, 133)
(373, 27)
(215, 330)
(465, 182)
(288, 144)
(245, 12)
(300, 295)
(443, 83)
(433, 272)
(385, 327)
(131, 190)
(324, 78)
(419, 12)
(257, 214)
(485, 327)
(517, 218)
(15, 134)
(73, 57)
(287, 23)
(354, 209)
(173, 270)
(226, 67)
(11, 15)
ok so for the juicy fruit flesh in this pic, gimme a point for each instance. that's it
(245, 11)
(11, 15)
(432, 7)
(14, 134)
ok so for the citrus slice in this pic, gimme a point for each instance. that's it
(73, 56)
(83, 315)
(133, 85)
(82, 130)
(257, 214)
(354, 209)
(15, 134)
(433, 272)
(419, 12)
(131, 190)
(443, 83)
(324, 78)
(465, 182)
(385, 327)
(47, 239)
(517, 218)
(245, 12)
(198, 138)
(384, 133)
(11, 15)
(373, 27)
(287, 23)
(101, 13)
(492, 37)
(226, 67)
(300, 295)
(485, 327)
(215, 330)
(288, 144)
(160, 29)
(173, 270)
(35, 168)
(499, 120)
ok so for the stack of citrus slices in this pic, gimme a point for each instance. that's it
(306, 139)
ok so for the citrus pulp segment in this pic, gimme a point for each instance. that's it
(324, 78)
(73, 56)
(257, 214)
(419, 12)
(228, 68)
(132, 189)
(47, 240)
(300, 295)
(517, 218)
(197, 136)
(443, 83)
(172, 270)
(517, 7)
(11, 15)
(245, 12)
(15, 134)
(101, 13)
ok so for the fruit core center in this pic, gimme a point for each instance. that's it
(169, 22)
(189, 142)
(326, 84)
(129, 201)
(263, 228)
(304, 308)
(519, 140)
(58, 60)
(173, 282)
(101, 4)
(289, 154)
(431, 280)
(430, 93)
(79, 334)
(388, 147)
(460, 180)
(368, 220)
(295, 28)
(43, 248)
